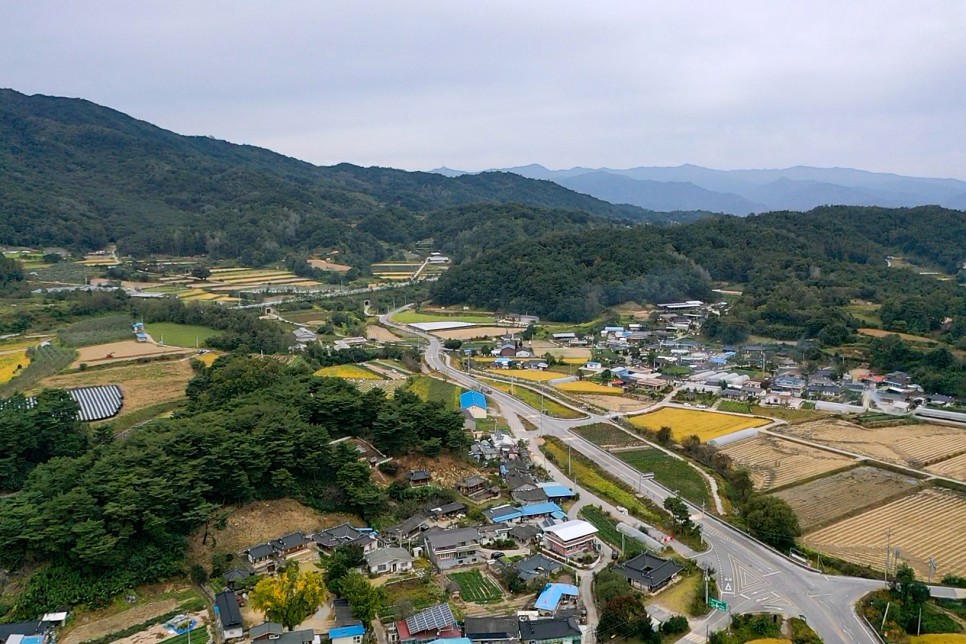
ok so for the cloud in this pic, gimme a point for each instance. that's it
(871, 84)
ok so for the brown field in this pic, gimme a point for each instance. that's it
(616, 403)
(254, 523)
(823, 500)
(380, 334)
(954, 468)
(774, 462)
(124, 350)
(912, 445)
(143, 385)
(470, 332)
(924, 525)
(880, 333)
(328, 266)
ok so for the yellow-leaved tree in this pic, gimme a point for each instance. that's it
(289, 597)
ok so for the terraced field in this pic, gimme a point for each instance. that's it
(685, 422)
(913, 445)
(824, 500)
(348, 371)
(923, 525)
(774, 462)
(953, 467)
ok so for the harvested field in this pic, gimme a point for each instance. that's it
(774, 462)
(924, 525)
(472, 332)
(616, 403)
(823, 500)
(533, 375)
(913, 445)
(380, 334)
(880, 333)
(121, 351)
(325, 265)
(97, 628)
(261, 521)
(144, 385)
(606, 435)
(685, 422)
(953, 467)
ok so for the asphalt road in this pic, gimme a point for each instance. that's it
(750, 576)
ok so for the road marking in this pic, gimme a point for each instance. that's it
(819, 595)
(774, 572)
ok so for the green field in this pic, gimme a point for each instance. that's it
(607, 530)
(412, 317)
(46, 361)
(199, 635)
(734, 406)
(180, 335)
(433, 389)
(605, 434)
(784, 413)
(110, 328)
(476, 588)
(670, 472)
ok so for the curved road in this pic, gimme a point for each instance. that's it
(750, 576)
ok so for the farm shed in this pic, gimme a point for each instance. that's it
(637, 535)
(734, 437)
(96, 403)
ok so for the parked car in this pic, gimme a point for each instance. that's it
(497, 555)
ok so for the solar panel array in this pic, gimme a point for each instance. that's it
(435, 618)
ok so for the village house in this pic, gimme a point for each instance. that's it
(386, 561)
(344, 535)
(649, 573)
(556, 597)
(474, 403)
(537, 566)
(492, 630)
(570, 539)
(448, 511)
(436, 622)
(419, 478)
(291, 545)
(558, 630)
(347, 630)
(406, 531)
(229, 615)
(262, 557)
(471, 485)
(454, 547)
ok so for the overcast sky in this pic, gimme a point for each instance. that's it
(871, 84)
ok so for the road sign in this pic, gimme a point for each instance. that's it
(720, 605)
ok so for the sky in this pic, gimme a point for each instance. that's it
(872, 84)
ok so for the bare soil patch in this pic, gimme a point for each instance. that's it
(912, 445)
(329, 266)
(143, 385)
(99, 627)
(823, 500)
(124, 350)
(616, 403)
(159, 633)
(380, 334)
(774, 462)
(258, 522)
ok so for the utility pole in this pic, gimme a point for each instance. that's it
(888, 555)
(570, 468)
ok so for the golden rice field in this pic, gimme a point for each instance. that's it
(533, 375)
(953, 468)
(348, 371)
(9, 363)
(703, 424)
(913, 445)
(923, 525)
(207, 358)
(774, 462)
(592, 388)
(939, 638)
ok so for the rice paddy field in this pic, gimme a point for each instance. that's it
(775, 463)
(434, 389)
(918, 445)
(686, 422)
(11, 363)
(413, 317)
(923, 525)
(829, 498)
(533, 375)
(348, 371)
(593, 388)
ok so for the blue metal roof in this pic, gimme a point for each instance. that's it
(549, 599)
(472, 399)
(541, 508)
(452, 640)
(501, 515)
(555, 490)
(347, 631)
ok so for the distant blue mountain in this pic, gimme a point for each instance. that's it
(740, 192)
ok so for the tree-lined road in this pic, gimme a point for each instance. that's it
(750, 576)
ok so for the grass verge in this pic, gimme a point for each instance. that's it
(535, 400)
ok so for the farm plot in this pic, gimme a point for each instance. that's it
(703, 424)
(476, 587)
(121, 351)
(12, 363)
(953, 467)
(143, 385)
(670, 472)
(180, 335)
(616, 403)
(348, 371)
(471, 333)
(913, 445)
(823, 500)
(438, 390)
(606, 435)
(592, 388)
(923, 525)
(534, 375)
(774, 462)
(414, 317)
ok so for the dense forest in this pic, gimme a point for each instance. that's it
(96, 517)
(78, 175)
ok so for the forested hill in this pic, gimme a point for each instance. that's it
(76, 174)
(797, 270)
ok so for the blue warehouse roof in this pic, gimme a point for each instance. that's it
(549, 599)
(472, 399)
